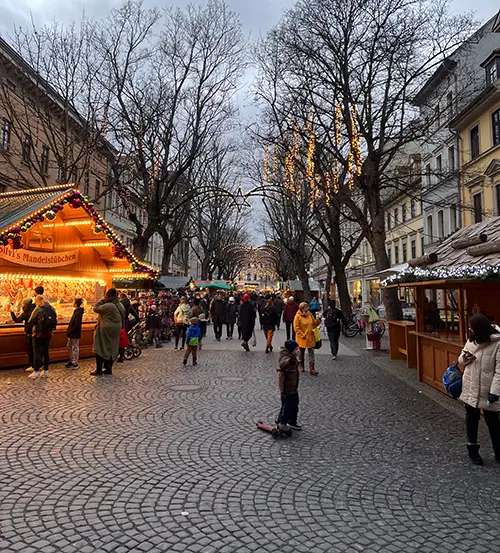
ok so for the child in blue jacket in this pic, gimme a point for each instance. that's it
(193, 338)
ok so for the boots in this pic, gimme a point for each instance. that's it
(474, 454)
(312, 370)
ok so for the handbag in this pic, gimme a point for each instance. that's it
(317, 337)
(254, 339)
(452, 381)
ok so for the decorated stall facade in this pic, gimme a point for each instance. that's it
(460, 279)
(53, 237)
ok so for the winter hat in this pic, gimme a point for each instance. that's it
(202, 318)
(231, 299)
(246, 297)
(290, 298)
(291, 345)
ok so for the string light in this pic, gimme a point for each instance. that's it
(49, 278)
(419, 274)
(96, 244)
(266, 163)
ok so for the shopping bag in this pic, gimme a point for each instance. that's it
(254, 339)
(317, 337)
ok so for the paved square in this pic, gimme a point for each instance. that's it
(161, 457)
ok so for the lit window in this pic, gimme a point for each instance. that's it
(495, 124)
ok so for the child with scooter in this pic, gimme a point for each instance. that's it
(289, 386)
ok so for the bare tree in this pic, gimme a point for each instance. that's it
(358, 63)
(171, 77)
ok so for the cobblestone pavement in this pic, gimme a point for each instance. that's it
(161, 457)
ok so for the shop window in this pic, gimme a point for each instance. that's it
(441, 224)
(44, 160)
(478, 207)
(474, 142)
(27, 145)
(495, 124)
(413, 249)
(41, 239)
(5, 138)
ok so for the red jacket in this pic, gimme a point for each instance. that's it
(290, 311)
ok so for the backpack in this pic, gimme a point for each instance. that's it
(331, 318)
(48, 320)
(452, 381)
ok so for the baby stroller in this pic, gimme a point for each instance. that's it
(134, 348)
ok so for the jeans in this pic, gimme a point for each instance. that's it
(41, 349)
(217, 329)
(289, 409)
(269, 338)
(333, 336)
(289, 330)
(302, 359)
(154, 336)
(29, 350)
(73, 346)
(492, 420)
(230, 329)
(180, 332)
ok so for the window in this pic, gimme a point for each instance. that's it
(451, 158)
(404, 252)
(440, 224)
(396, 254)
(453, 218)
(413, 249)
(478, 207)
(86, 184)
(439, 165)
(495, 125)
(428, 174)
(5, 138)
(474, 142)
(422, 244)
(74, 175)
(388, 221)
(413, 208)
(44, 160)
(403, 213)
(492, 72)
(438, 115)
(396, 217)
(97, 188)
(449, 103)
(26, 148)
(60, 173)
(430, 229)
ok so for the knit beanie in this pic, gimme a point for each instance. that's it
(291, 345)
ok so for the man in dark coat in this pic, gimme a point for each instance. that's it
(127, 305)
(218, 313)
(230, 320)
(247, 321)
(334, 319)
(289, 312)
(279, 305)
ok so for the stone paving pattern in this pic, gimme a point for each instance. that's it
(161, 457)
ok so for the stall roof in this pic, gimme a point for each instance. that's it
(174, 282)
(296, 285)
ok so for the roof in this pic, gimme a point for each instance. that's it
(15, 206)
(296, 285)
(432, 82)
(174, 282)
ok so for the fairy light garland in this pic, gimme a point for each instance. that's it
(419, 274)
(266, 163)
(12, 236)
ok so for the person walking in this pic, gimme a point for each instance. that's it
(111, 317)
(230, 317)
(314, 307)
(304, 325)
(247, 321)
(24, 317)
(218, 313)
(128, 307)
(153, 326)
(334, 319)
(193, 340)
(279, 305)
(481, 384)
(74, 333)
(196, 308)
(181, 318)
(289, 312)
(43, 321)
(269, 318)
(289, 385)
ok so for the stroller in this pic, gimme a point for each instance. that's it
(134, 349)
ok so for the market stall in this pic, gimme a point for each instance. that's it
(460, 279)
(53, 237)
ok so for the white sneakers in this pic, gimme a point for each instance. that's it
(37, 374)
(30, 369)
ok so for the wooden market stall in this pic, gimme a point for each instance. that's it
(53, 237)
(463, 279)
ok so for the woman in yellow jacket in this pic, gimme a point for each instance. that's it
(304, 325)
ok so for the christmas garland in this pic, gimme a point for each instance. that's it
(12, 236)
(419, 274)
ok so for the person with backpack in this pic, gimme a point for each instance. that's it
(74, 333)
(481, 384)
(269, 319)
(334, 319)
(43, 321)
(24, 317)
(289, 312)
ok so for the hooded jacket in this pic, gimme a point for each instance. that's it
(289, 311)
(482, 375)
(288, 372)
(304, 326)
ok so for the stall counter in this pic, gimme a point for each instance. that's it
(13, 344)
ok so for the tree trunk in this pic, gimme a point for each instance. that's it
(204, 268)
(329, 277)
(343, 289)
(141, 246)
(165, 260)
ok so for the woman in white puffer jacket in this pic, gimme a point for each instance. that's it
(481, 383)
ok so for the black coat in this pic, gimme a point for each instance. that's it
(75, 324)
(231, 310)
(24, 317)
(247, 320)
(269, 318)
(127, 305)
(218, 311)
